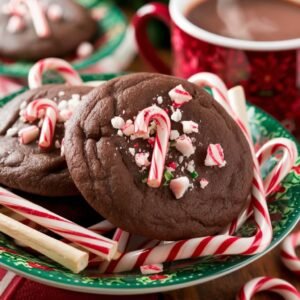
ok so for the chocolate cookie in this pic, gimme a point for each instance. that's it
(26, 167)
(110, 164)
(69, 25)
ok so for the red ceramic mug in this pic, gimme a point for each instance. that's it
(269, 71)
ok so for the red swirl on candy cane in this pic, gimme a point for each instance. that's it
(163, 123)
(83, 237)
(278, 286)
(215, 156)
(35, 77)
(288, 252)
(37, 14)
(46, 109)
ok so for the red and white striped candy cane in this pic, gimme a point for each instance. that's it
(37, 14)
(35, 77)
(163, 123)
(288, 252)
(260, 284)
(283, 166)
(87, 239)
(46, 109)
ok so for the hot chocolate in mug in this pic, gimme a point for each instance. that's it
(268, 69)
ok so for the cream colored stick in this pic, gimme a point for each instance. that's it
(64, 254)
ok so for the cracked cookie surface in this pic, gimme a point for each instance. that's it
(106, 174)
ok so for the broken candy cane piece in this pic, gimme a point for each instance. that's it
(215, 156)
(28, 134)
(179, 186)
(141, 159)
(189, 127)
(185, 146)
(180, 96)
(151, 269)
(203, 183)
(117, 122)
(176, 115)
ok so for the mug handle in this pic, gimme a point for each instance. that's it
(140, 21)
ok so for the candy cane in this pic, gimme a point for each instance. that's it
(87, 239)
(278, 286)
(47, 109)
(38, 17)
(141, 125)
(288, 252)
(277, 174)
(35, 77)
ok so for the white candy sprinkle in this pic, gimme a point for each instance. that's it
(160, 100)
(191, 166)
(131, 151)
(176, 115)
(117, 122)
(174, 135)
(55, 12)
(62, 105)
(189, 127)
(61, 93)
(84, 50)
(11, 132)
(203, 183)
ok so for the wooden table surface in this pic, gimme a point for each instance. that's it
(226, 287)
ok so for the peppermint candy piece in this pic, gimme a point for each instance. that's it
(151, 269)
(179, 186)
(185, 146)
(141, 159)
(15, 24)
(176, 115)
(174, 135)
(189, 127)
(128, 128)
(117, 122)
(180, 96)
(215, 156)
(28, 134)
(203, 183)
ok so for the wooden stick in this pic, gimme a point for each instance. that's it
(66, 255)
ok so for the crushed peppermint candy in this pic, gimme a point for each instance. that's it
(117, 122)
(203, 183)
(189, 127)
(160, 100)
(151, 269)
(174, 135)
(171, 166)
(55, 12)
(190, 166)
(185, 146)
(84, 50)
(131, 151)
(215, 156)
(120, 132)
(141, 159)
(61, 93)
(11, 132)
(15, 24)
(180, 159)
(176, 115)
(179, 186)
(180, 96)
(128, 128)
(28, 134)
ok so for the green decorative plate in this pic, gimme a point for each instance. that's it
(284, 211)
(112, 27)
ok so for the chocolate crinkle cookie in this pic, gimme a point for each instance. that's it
(207, 171)
(24, 164)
